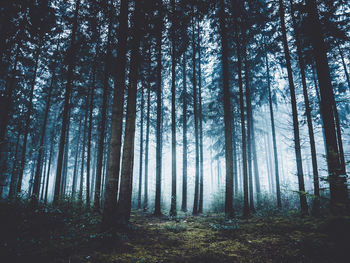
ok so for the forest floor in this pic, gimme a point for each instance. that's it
(68, 235)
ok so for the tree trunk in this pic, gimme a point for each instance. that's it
(159, 29)
(195, 116)
(102, 124)
(80, 195)
(227, 113)
(111, 192)
(36, 188)
(27, 123)
(303, 202)
(272, 119)
(201, 186)
(75, 171)
(249, 131)
(126, 176)
(316, 200)
(243, 130)
(141, 150)
(173, 115)
(145, 199)
(14, 169)
(65, 120)
(65, 159)
(52, 142)
(184, 136)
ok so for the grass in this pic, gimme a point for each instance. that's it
(72, 235)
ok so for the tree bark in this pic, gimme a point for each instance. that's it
(201, 186)
(195, 117)
(145, 198)
(173, 114)
(141, 150)
(111, 192)
(36, 188)
(27, 122)
(303, 202)
(272, 119)
(227, 114)
(65, 120)
(126, 176)
(316, 200)
(159, 29)
(184, 136)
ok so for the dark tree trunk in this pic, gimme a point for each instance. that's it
(75, 171)
(126, 176)
(272, 119)
(159, 27)
(65, 159)
(303, 202)
(316, 200)
(184, 136)
(173, 115)
(141, 150)
(111, 192)
(255, 162)
(65, 119)
(27, 122)
(14, 168)
(249, 132)
(227, 114)
(5, 109)
(36, 188)
(145, 198)
(195, 117)
(243, 130)
(81, 185)
(52, 142)
(102, 124)
(201, 186)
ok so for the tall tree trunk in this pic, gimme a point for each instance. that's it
(27, 122)
(81, 184)
(184, 136)
(43, 176)
(75, 171)
(235, 171)
(65, 119)
(145, 198)
(159, 27)
(255, 162)
(303, 202)
(249, 131)
(227, 113)
(126, 176)
(173, 114)
(6, 106)
(272, 119)
(14, 168)
(52, 142)
(141, 150)
(243, 130)
(316, 200)
(111, 192)
(201, 186)
(195, 117)
(102, 124)
(36, 188)
(65, 159)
